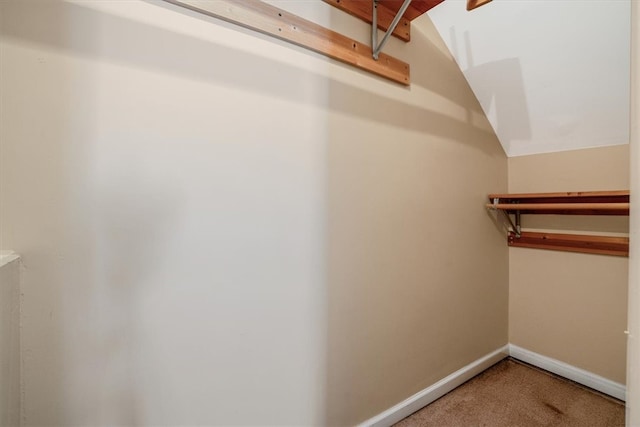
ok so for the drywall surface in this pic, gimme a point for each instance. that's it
(417, 276)
(633, 342)
(164, 177)
(546, 80)
(222, 229)
(568, 306)
(9, 339)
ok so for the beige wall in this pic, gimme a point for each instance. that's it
(218, 228)
(605, 168)
(633, 354)
(9, 340)
(568, 306)
(417, 269)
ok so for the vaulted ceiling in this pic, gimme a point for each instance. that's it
(551, 75)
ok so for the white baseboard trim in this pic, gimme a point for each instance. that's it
(445, 385)
(437, 390)
(578, 375)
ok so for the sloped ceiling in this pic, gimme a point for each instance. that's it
(551, 75)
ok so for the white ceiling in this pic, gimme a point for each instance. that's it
(551, 75)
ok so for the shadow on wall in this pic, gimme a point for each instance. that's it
(506, 103)
(511, 118)
(94, 239)
(434, 68)
(199, 62)
(502, 224)
(136, 217)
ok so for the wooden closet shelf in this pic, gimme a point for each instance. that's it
(564, 208)
(610, 195)
(570, 203)
(604, 245)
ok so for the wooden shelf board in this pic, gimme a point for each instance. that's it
(603, 245)
(362, 10)
(565, 208)
(568, 197)
(569, 203)
(264, 18)
(387, 10)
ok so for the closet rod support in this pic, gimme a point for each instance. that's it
(375, 47)
(374, 26)
(517, 227)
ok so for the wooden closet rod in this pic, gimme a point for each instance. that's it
(558, 206)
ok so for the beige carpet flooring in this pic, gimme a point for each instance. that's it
(512, 393)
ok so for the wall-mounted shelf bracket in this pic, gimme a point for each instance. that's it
(375, 47)
(516, 227)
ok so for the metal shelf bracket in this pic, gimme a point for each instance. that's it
(517, 227)
(375, 47)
